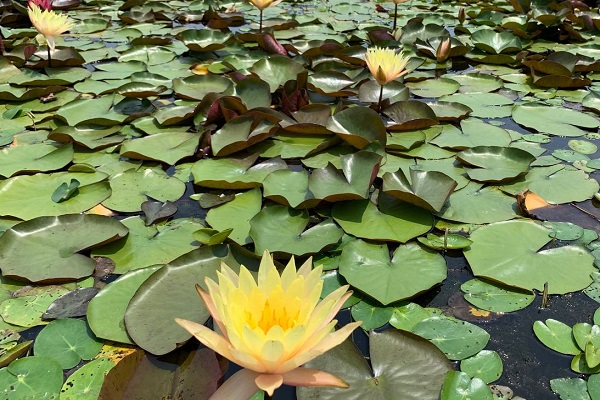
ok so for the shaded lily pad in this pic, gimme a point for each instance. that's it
(405, 366)
(31, 377)
(410, 115)
(358, 126)
(169, 293)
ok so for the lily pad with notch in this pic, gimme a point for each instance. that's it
(495, 164)
(55, 243)
(403, 365)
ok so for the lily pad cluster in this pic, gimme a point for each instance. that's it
(169, 137)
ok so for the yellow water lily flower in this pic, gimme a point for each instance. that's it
(386, 65)
(271, 327)
(48, 23)
(262, 4)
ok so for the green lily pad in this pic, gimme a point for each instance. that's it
(26, 310)
(150, 245)
(484, 105)
(236, 214)
(169, 293)
(556, 184)
(406, 316)
(98, 111)
(494, 297)
(67, 341)
(106, 311)
(392, 219)
(433, 87)
(473, 133)
(196, 87)
(234, 173)
(90, 137)
(277, 70)
(54, 242)
(494, 42)
(410, 115)
(168, 147)
(459, 385)
(411, 270)
(451, 241)
(553, 120)
(583, 146)
(28, 197)
(457, 339)
(86, 382)
(34, 377)
(403, 365)
(570, 388)
(427, 189)
(372, 315)
(495, 164)
(485, 365)
(525, 266)
(34, 158)
(358, 126)
(477, 204)
(240, 133)
(557, 336)
(204, 39)
(282, 229)
(131, 188)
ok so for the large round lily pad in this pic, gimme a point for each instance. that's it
(494, 163)
(34, 377)
(404, 366)
(565, 269)
(170, 293)
(46, 248)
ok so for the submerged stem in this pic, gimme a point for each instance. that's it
(49, 58)
(395, 16)
(260, 24)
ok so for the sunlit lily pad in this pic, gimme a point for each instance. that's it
(411, 270)
(494, 163)
(427, 189)
(392, 219)
(54, 242)
(150, 245)
(552, 120)
(495, 297)
(525, 266)
(31, 377)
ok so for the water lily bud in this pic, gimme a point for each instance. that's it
(443, 50)
(461, 15)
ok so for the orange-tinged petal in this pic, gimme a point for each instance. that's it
(312, 377)
(240, 386)
(207, 337)
(212, 309)
(268, 382)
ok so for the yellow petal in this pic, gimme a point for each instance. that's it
(268, 382)
(240, 385)
(212, 309)
(288, 276)
(312, 377)
(247, 360)
(207, 337)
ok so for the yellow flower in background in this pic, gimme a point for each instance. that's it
(48, 23)
(386, 65)
(271, 327)
(262, 4)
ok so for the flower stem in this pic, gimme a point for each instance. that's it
(49, 58)
(395, 16)
(380, 99)
(260, 24)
